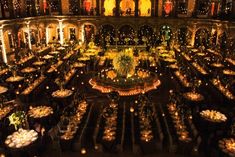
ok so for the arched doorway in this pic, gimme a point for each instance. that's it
(88, 32)
(182, 35)
(144, 8)
(127, 7)
(168, 6)
(145, 33)
(126, 35)
(202, 38)
(165, 35)
(223, 41)
(107, 34)
(109, 7)
(88, 7)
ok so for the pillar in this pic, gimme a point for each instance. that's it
(160, 3)
(136, 7)
(4, 54)
(47, 34)
(193, 34)
(65, 7)
(61, 32)
(29, 37)
(117, 8)
(191, 7)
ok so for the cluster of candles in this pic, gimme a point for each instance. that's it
(68, 55)
(231, 61)
(21, 138)
(28, 70)
(40, 111)
(111, 74)
(35, 84)
(173, 66)
(25, 59)
(199, 68)
(54, 52)
(133, 91)
(227, 145)
(217, 65)
(78, 65)
(62, 93)
(14, 78)
(4, 71)
(110, 124)
(213, 116)
(38, 63)
(60, 48)
(69, 75)
(183, 79)
(217, 83)
(5, 110)
(187, 57)
(193, 96)
(146, 133)
(74, 121)
(54, 66)
(228, 72)
(178, 123)
(3, 89)
(48, 57)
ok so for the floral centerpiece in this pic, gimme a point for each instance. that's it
(124, 63)
(17, 118)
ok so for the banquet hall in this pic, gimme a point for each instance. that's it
(110, 78)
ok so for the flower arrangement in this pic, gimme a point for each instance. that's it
(124, 63)
(17, 118)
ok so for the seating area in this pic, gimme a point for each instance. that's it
(70, 116)
(111, 78)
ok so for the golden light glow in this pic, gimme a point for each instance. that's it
(145, 7)
(126, 4)
(109, 5)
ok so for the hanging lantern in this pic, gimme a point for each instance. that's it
(168, 7)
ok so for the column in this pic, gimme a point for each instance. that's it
(4, 54)
(98, 7)
(191, 7)
(218, 29)
(61, 32)
(160, 3)
(29, 37)
(65, 7)
(117, 8)
(193, 34)
(47, 35)
(136, 7)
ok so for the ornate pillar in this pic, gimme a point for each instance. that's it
(61, 32)
(29, 37)
(65, 7)
(98, 7)
(11, 8)
(191, 7)
(218, 29)
(193, 34)
(4, 54)
(152, 8)
(160, 2)
(47, 34)
(117, 8)
(136, 7)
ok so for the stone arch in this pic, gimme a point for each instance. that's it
(71, 31)
(124, 32)
(107, 31)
